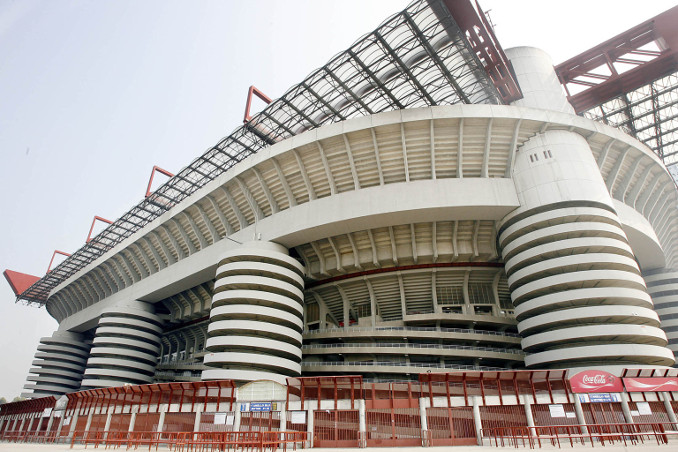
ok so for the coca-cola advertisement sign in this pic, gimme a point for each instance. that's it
(651, 384)
(595, 381)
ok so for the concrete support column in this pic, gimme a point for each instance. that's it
(362, 416)
(59, 365)
(236, 418)
(74, 422)
(666, 398)
(161, 420)
(477, 419)
(108, 420)
(528, 414)
(257, 315)
(309, 425)
(30, 424)
(198, 417)
(60, 424)
(125, 347)
(21, 425)
(283, 415)
(581, 419)
(89, 420)
(50, 422)
(625, 408)
(423, 402)
(132, 421)
(567, 220)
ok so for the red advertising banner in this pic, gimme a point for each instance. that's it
(651, 384)
(595, 381)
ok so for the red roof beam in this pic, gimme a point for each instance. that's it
(91, 228)
(484, 43)
(150, 181)
(623, 49)
(253, 91)
(49, 268)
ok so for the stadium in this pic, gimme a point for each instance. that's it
(425, 211)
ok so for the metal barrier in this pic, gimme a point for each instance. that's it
(195, 441)
(555, 435)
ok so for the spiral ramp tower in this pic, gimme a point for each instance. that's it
(256, 318)
(125, 347)
(663, 287)
(59, 365)
(578, 292)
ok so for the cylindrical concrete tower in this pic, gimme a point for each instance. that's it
(256, 318)
(663, 287)
(579, 296)
(59, 365)
(125, 348)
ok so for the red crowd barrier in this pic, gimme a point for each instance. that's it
(555, 435)
(195, 441)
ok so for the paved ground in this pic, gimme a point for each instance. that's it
(647, 447)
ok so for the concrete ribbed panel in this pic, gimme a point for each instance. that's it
(263, 362)
(253, 328)
(261, 283)
(59, 365)
(663, 288)
(125, 347)
(639, 334)
(255, 297)
(270, 346)
(242, 375)
(593, 296)
(54, 371)
(621, 315)
(61, 358)
(256, 318)
(537, 253)
(260, 313)
(603, 353)
(280, 273)
(584, 278)
(142, 345)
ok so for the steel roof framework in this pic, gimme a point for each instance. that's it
(649, 113)
(416, 58)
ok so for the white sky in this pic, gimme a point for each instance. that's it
(94, 93)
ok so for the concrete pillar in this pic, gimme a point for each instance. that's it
(30, 424)
(362, 416)
(49, 423)
(667, 405)
(309, 425)
(89, 420)
(74, 421)
(477, 420)
(62, 417)
(528, 414)
(132, 421)
(108, 421)
(262, 282)
(625, 408)
(198, 417)
(161, 421)
(21, 425)
(236, 418)
(423, 402)
(581, 419)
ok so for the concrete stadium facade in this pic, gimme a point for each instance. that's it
(471, 236)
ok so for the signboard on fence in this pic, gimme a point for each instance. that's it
(259, 406)
(590, 381)
(599, 397)
(656, 384)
